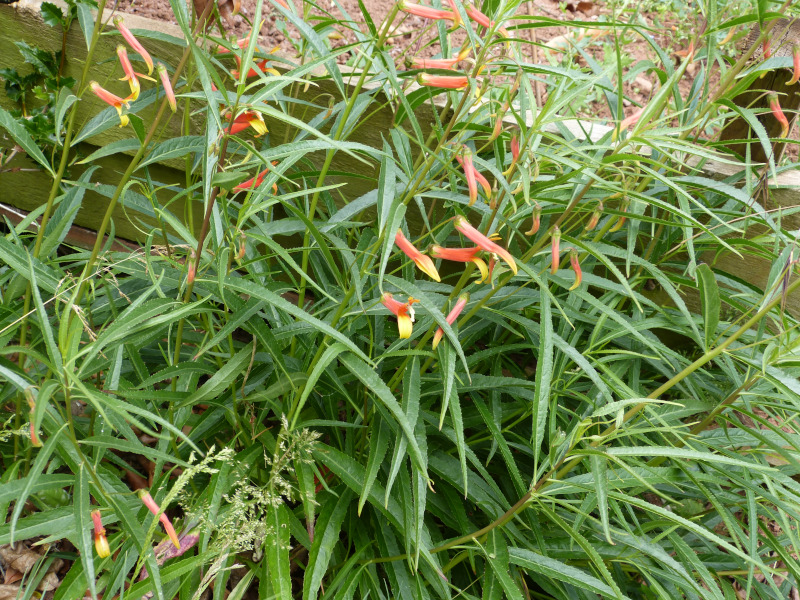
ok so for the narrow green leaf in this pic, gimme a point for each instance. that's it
(329, 524)
(83, 526)
(277, 552)
(601, 487)
(223, 378)
(709, 301)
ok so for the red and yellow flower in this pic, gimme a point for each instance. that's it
(426, 12)
(463, 255)
(404, 311)
(775, 107)
(112, 100)
(424, 263)
(134, 43)
(148, 501)
(447, 82)
(248, 118)
(484, 243)
(576, 266)
(555, 251)
(100, 540)
(164, 76)
(795, 64)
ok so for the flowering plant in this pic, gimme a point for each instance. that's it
(490, 354)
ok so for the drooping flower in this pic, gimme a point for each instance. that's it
(439, 63)
(254, 182)
(595, 218)
(112, 100)
(630, 121)
(795, 64)
(447, 82)
(130, 74)
(483, 242)
(134, 43)
(555, 253)
(424, 263)
(404, 311)
(248, 118)
(463, 255)
(775, 107)
(515, 147)
(474, 177)
(451, 317)
(537, 219)
(148, 501)
(477, 16)
(164, 76)
(456, 15)
(623, 208)
(576, 266)
(426, 12)
(765, 46)
(100, 540)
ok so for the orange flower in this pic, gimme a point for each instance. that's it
(537, 220)
(576, 266)
(148, 501)
(477, 16)
(426, 11)
(555, 254)
(515, 147)
(254, 182)
(474, 177)
(451, 317)
(100, 540)
(483, 242)
(424, 263)
(462, 255)
(439, 63)
(404, 312)
(162, 73)
(456, 15)
(130, 74)
(765, 47)
(775, 107)
(448, 82)
(595, 218)
(134, 43)
(249, 118)
(111, 99)
(795, 64)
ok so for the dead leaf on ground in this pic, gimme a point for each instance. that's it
(21, 559)
(579, 5)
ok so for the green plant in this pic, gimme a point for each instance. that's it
(244, 370)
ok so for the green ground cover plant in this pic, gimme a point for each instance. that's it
(508, 369)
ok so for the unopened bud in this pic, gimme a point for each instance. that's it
(555, 253)
(537, 218)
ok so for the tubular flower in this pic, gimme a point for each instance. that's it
(555, 253)
(477, 16)
(111, 99)
(439, 63)
(595, 218)
(515, 147)
(148, 501)
(164, 76)
(456, 15)
(483, 242)
(100, 540)
(537, 219)
(424, 263)
(576, 266)
(426, 11)
(623, 208)
(447, 82)
(795, 64)
(775, 107)
(249, 118)
(134, 43)
(474, 177)
(462, 255)
(404, 312)
(765, 47)
(130, 74)
(451, 317)
(254, 182)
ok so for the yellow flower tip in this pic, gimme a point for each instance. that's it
(101, 546)
(404, 326)
(124, 121)
(482, 268)
(437, 337)
(426, 265)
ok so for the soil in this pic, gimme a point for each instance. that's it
(670, 30)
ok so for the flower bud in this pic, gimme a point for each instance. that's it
(555, 253)
(537, 218)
